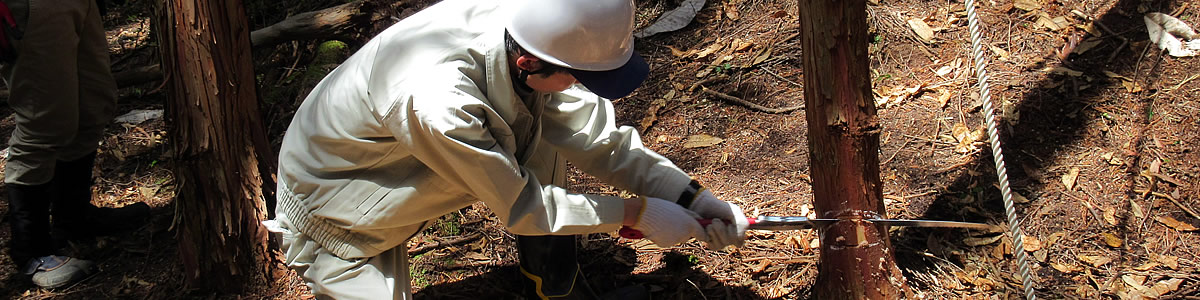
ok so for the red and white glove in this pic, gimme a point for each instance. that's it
(667, 224)
(729, 226)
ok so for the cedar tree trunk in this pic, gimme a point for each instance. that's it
(843, 137)
(218, 141)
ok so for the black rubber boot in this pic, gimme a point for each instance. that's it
(75, 216)
(552, 271)
(29, 222)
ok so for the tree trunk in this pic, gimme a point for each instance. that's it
(856, 258)
(218, 140)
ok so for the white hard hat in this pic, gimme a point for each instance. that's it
(593, 39)
(588, 35)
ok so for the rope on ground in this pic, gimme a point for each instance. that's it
(997, 153)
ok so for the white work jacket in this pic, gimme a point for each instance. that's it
(424, 120)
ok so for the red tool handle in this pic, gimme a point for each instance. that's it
(630, 233)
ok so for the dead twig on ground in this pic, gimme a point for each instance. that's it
(745, 103)
(442, 243)
(1189, 211)
(781, 77)
(698, 84)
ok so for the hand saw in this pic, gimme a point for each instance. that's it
(799, 223)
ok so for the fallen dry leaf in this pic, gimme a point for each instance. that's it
(1156, 165)
(1137, 209)
(477, 256)
(652, 112)
(1146, 266)
(1166, 286)
(1166, 260)
(1094, 260)
(1086, 45)
(1111, 240)
(1044, 21)
(1110, 74)
(1027, 5)
(1065, 268)
(1110, 215)
(1031, 243)
(1068, 179)
(1175, 224)
(921, 29)
(980, 241)
(1018, 198)
(739, 45)
(680, 53)
(1054, 238)
(944, 98)
(1112, 159)
(713, 48)
(965, 137)
(1134, 281)
(701, 140)
(999, 51)
(1060, 70)
(762, 56)
(1132, 87)
(731, 10)
(1090, 27)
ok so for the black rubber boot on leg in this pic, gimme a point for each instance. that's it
(29, 222)
(74, 214)
(32, 247)
(551, 271)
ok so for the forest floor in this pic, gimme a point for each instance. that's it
(1100, 131)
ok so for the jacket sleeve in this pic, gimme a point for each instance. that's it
(583, 127)
(453, 134)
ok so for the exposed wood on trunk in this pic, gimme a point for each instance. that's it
(856, 257)
(222, 159)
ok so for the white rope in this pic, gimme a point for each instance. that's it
(997, 153)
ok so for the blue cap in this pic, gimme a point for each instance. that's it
(615, 83)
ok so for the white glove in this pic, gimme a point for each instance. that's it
(729, 226)
(666, 223)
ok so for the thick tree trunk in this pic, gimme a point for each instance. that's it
(843, 138)
(217, 136)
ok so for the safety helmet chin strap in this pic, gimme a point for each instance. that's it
(523, 75)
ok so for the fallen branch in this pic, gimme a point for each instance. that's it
(748, 104)
(443, 243)
(335, 22)
(698, 84)
(1169, 198)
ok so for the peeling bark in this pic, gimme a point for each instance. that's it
(219, 143)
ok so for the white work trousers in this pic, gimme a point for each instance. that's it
(384, 276)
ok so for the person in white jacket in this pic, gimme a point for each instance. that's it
(472, 100)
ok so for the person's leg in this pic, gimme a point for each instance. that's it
(44, 98)
(97, 88)
(73, 213)
(551, 268)
(549, 263)
(330, 277)
(44, 91)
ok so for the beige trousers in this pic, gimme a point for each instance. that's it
(61, 87)
(385, 276)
